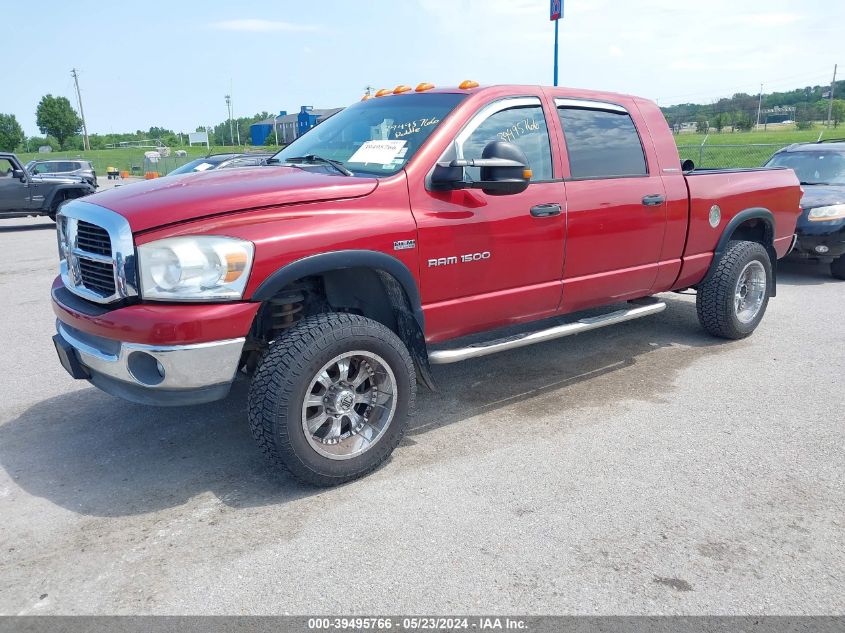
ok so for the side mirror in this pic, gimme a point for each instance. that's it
(19, 174)
(504, 171)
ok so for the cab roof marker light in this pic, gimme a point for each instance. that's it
(401, 88)
(468, 84)
(422, 87)
(383, 92)
(365, 97)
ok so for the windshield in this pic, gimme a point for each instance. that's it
(813, 168)
(377, 136)
(200, 164)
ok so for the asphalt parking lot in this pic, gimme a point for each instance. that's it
(645, 468)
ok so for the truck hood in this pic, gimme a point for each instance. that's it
(154, 203)
(822, 195)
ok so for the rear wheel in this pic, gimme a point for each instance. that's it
(330, 400)
(732, 302)
(837, 267)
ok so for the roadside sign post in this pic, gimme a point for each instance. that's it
(555, 14)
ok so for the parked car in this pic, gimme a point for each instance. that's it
(821, 228)
(64, 167)
(221, 161)
(23, 193)
(388, 232)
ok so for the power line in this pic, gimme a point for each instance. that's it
(770, 83)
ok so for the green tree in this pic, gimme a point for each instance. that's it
(701, 125)
(11, 134)
(804, 116)
(56, 117)
(837, 112)
(742, 121)
(719, 122)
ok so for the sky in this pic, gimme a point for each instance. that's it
(170, 64)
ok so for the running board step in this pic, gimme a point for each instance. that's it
(640, 309)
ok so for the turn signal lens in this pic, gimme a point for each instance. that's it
(467, 84)
(401, 88)
(383, 92)
(527, 174)
(424, 86)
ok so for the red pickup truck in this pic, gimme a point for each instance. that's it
(335, 276)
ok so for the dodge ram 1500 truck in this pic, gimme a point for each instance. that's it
(335, 276)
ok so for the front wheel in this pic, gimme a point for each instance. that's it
(330, 399)
(732, 302)
(837, 267)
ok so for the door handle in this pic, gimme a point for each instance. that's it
(545, 210)
(654, 200)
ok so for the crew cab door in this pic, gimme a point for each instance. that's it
(488, 260)
(616, 204)
(14, 194)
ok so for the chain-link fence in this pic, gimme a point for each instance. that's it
(714, 156)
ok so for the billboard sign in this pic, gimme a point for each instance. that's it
(556, 10)
(197, 137)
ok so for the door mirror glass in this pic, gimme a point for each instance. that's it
(19, 174)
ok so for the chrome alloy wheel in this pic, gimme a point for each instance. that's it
(750, 291)
(349, 405)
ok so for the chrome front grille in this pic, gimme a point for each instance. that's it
(92, 238)
(97, 253)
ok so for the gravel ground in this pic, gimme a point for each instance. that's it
(641, 469)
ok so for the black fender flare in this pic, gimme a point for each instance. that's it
(335, 260)
(752, 213)
(84, 187)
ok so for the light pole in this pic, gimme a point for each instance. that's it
(276, 129)
(229, 110)
(555, 14)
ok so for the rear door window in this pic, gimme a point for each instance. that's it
(601, 143)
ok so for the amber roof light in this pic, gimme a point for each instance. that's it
(383, 92)
(467, 84)
(424, 86)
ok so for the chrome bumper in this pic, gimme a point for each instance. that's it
(157, 374)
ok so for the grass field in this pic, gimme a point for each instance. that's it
(125, 158)
(728, 149)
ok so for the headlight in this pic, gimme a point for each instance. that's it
(200, 268)
(832, 212)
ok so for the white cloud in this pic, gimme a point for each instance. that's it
(763, 19)
(614, 51)
(254, 25)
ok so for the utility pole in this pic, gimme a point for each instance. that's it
(229, 109)
(830, 103)
(759, 107)
(86, 145)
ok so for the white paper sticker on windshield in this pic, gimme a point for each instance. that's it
(203, 166)
(380, 152)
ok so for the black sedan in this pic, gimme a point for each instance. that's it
(221, 161)
(821, 228)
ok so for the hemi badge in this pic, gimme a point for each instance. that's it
(402, 245)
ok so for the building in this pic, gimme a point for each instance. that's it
(289, 126)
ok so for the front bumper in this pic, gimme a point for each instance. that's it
(820, 240)
(165, 375)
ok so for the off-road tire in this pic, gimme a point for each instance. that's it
(279, 387)
(715, 298)
(837, 267)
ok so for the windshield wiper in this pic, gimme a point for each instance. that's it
(313, 158)
(804, 182)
